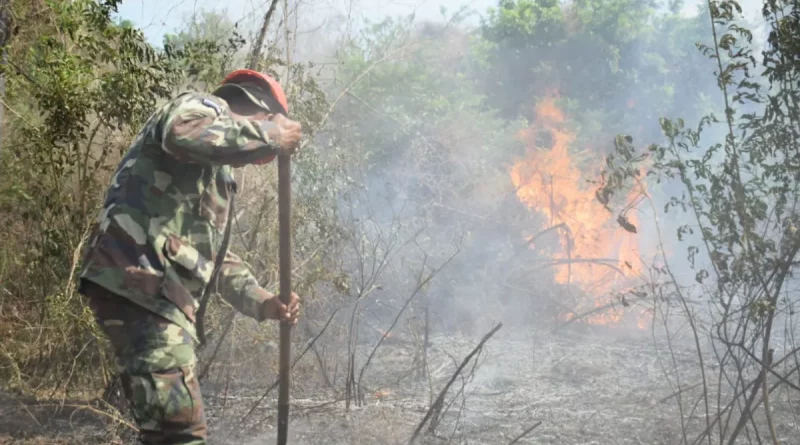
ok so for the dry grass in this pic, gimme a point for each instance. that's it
(587, 386)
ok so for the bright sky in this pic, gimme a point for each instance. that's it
(157, 17)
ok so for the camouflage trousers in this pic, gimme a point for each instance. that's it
(156, 361)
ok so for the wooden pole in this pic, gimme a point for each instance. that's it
(285, 230)
(285, 254)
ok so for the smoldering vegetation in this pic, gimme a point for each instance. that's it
(560, 223)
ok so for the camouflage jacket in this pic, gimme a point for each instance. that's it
(163, 219)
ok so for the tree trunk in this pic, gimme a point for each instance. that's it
(255, 55)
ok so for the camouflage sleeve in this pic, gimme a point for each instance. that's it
(200, 129)
(240, 288)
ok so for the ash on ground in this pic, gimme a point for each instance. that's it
(586, 385)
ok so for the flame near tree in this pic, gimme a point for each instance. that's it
(596, 255)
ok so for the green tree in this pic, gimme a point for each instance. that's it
(611, 61)
(739, 179)
(78, 87)
(207, 50)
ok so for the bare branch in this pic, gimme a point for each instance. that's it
(440, 399)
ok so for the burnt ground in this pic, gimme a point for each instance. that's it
(585, 388)
(586, 385)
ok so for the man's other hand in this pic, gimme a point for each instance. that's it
(286, 133)
(274, 309)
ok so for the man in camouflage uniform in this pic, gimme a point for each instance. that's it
(153, 250)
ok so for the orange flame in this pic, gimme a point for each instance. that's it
(596, 255)
(644, 319)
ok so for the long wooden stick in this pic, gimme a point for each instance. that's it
(285, 230)
(285, 255)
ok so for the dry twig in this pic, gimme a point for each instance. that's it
(525, 433)
(421, 284)
(440, 399)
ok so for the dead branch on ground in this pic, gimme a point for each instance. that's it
(525, 433)
(440, 399)
(421, 283)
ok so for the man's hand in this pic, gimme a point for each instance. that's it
(273, 309)
(286, 133)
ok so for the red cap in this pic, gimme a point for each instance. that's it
(250, 75)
